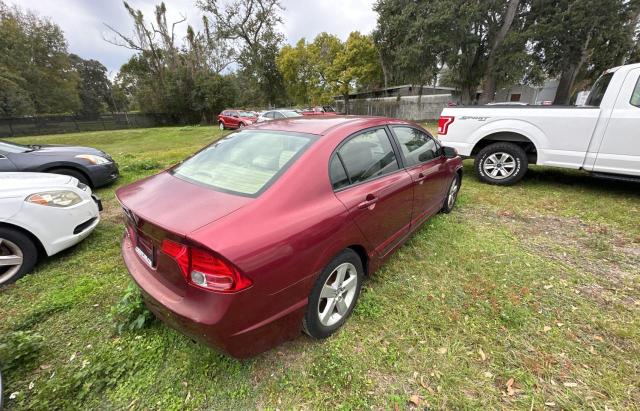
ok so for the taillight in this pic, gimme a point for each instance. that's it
(204, 270)
(444, 123)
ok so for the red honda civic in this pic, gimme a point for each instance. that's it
(272, 229)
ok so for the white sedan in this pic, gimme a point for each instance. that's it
(41, 215)
(277, 114)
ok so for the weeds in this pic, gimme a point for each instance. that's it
(130, 313)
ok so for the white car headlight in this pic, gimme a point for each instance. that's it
(93, 159)
(54, 198)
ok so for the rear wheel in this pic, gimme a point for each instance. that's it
(71, 173)
(452, 195)
(334, 295)
(501, 164)
(18, 255)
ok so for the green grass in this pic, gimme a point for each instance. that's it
(537, 283)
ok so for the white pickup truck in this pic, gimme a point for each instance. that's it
(602, 137)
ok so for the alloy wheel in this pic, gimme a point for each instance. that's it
(11, 259)
(221, 125)
(453, 193)
(338, 294)
(499, 165)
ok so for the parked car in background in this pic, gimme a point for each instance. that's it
(92, 167)
(277, 114)
(232, 119)
(601, 137)
(273, 229)
(40, 215)
(319, 111)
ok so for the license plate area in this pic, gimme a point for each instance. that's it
(146, 250)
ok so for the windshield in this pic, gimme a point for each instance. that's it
(598, 90)
(13, 148)
(291, 114)
(246, 114)
(245, 162)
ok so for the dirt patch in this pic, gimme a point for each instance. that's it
(608, 260)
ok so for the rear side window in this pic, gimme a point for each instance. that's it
(277, 115)
(635, 96)
(598, 90)
(365, 156)
(339, 177)
(417, 147)
(244, 163)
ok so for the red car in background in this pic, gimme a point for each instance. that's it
(319, 111)
(232, 119)
(272, 229)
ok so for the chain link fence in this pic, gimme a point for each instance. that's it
(56, 124)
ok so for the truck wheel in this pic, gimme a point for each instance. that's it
(501, 164)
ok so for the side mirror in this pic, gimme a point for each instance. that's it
(449, 152)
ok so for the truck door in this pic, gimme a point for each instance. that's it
(619, 151)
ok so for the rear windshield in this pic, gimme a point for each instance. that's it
(598, 90)
(291, 114)
(246, 162)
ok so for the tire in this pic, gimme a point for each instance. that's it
(221, 126)
(320, 326)
(501, 164)
(15, 243)
(72, 173)
(452, 195)
(241, 125)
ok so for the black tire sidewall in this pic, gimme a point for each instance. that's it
(311, 323)
(445, 206)
(28, 248)
(515, 151)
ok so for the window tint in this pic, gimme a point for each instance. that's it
(368, 155)
(244, 163)
(635, 97)
(416, 146)
(598, 90)
(339, 177)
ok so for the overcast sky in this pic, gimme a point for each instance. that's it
(83, 21)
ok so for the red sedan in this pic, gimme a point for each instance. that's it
(272, 230)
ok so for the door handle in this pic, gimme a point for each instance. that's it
(421, 178)
(369, 202)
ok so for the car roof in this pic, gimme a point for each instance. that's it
(321, 125)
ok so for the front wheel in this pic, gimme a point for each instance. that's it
(334, 295)
(501, 164)
(18, 255)
(221, 126)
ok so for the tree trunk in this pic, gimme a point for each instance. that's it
(489, 85)
(569, 75)
(346, 103)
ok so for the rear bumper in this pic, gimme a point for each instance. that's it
(104, 174)
(232, 323)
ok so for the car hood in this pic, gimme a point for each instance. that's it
(18, 182)
(51, 150)
(176, 205)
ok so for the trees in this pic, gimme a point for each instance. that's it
(181, 80)
(35, 69)
(575, 38)
(250, 26)
(93, 85)
(316, 72)
(416, 40)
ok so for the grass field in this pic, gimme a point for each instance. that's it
(524, 297)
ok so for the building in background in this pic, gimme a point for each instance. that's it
(520, 93)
